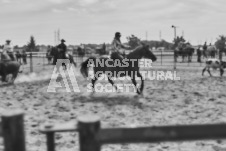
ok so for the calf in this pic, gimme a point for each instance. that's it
(9, 67)
(214, 64)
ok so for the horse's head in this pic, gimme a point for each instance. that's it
(147, 53)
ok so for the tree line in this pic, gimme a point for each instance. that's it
(133, 41)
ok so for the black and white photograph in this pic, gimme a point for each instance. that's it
(112, 75)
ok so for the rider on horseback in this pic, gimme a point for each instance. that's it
(8, 51)
(62, 48)
(117, 46)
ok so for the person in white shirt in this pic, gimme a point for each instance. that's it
(8, 49)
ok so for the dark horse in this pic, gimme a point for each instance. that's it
(184, 51)
(58, 55)
(8, 67)
(132, 67)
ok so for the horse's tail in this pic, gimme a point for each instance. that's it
(84, 66)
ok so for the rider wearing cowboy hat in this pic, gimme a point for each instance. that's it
(117, 47)
(62, 49)
(8, 49)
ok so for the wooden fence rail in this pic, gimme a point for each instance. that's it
(12, 131)
(92, 136)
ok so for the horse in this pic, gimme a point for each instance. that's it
(132, 67)
(184, 51)
(210, 52)
(7, 66)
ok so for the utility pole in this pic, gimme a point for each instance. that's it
(55, 38)
(175, 36)
(175, 32)
(146, 35)
(160, 35)
(58, 36)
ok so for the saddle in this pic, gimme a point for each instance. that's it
(118, 57)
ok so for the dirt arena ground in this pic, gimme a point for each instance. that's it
(191, 100)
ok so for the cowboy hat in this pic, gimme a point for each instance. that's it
(117, 34)
(8, 40)
(62, 40)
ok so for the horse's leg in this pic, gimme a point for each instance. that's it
(221, 71)
(111, 81)
(93, 83)
(72, 61)
(135, 83)
(203, 71)
(94, 79)
(64, 65)
(4, 78)
(142, 82)
(14, 76)
(209, 71)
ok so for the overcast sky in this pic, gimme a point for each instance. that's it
(96, 21)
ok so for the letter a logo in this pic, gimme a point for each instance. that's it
(57, 71)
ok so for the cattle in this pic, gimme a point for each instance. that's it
(214, 64)
(9, 67)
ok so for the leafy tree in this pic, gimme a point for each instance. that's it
(133, 41)
(177, 40)
(16, 47)
(31, 46)
(156, 44)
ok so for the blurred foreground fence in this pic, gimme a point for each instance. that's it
(12, 131)
(92, 136)
(37, 61)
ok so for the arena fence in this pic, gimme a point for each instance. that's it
(37, 61)
(92, 136)
(12, 131)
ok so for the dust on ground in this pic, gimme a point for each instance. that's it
(191, 100)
